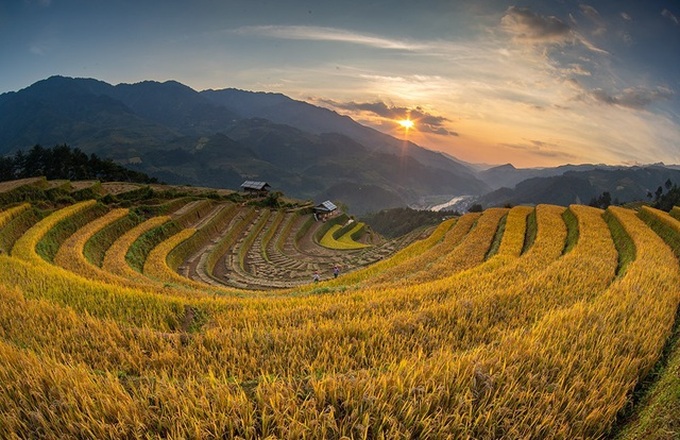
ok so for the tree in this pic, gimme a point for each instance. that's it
(603, 201)
(658, 193)
(667, 201)
(19, 165)
(62, 162)
(34, 162)
(476, 208)
(7, 169)
(272, 199)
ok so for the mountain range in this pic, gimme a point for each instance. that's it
(581, 184)
(219, 138)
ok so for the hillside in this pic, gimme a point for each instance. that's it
(165, 312)
(280, 109)
(624, 184)
(214, 138)
(507, 176)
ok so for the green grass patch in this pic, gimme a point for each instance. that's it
(625, 247)
(571, 222)
(663, 229)
(48, 246)
(675, 212)
(345, 242)
(497, 238)
(17, 226)
(186, 248)
(95, 248)
(139, 250)
(343, 230)
(93, 191)
(155, 210)
(532, 230)
(654, 411)
(228, 240)
(337, 220)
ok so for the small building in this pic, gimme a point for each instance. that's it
(255, 187)
(324, 210)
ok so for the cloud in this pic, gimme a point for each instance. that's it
(626, 16)
(595, 17)
(669, 15)
(315, 33)
(542, 149)
(589, 12)
(636, 98)
(576, 69)
(529, 27)
(526, 25)
(425, 121)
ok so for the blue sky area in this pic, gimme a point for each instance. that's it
(534, 83)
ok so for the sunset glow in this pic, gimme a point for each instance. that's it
(406, 123)
(543, 83)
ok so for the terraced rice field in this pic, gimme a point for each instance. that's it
(198, 318)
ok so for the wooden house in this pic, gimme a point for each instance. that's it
(324, 210)
(255, 187)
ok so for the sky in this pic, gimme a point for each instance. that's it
(532, 83)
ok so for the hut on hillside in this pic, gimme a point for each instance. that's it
(324, 210)
(255, 187)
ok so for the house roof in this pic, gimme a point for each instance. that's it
(326, 206)
(253, 184)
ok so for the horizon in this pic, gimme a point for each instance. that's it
(534, 84)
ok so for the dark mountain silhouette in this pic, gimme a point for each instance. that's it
(508, 176)
(307, 117)
(623, 184)
(219, 138)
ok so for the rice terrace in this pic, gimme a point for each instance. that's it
(137, 311)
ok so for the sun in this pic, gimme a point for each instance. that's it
(406, 123)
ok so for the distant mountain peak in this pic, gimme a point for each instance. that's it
(506, 166)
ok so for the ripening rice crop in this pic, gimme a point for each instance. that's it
(8, 214)
(412, 251)
(156, 265)
(470, 252)
(343, 242)
(529, 342)
(70, 254)
(424, 259)
(25, 247)
(114, 259)
(675, 212)
(512, 240)
(665, 225)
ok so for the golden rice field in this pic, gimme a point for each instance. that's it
(514, 323)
